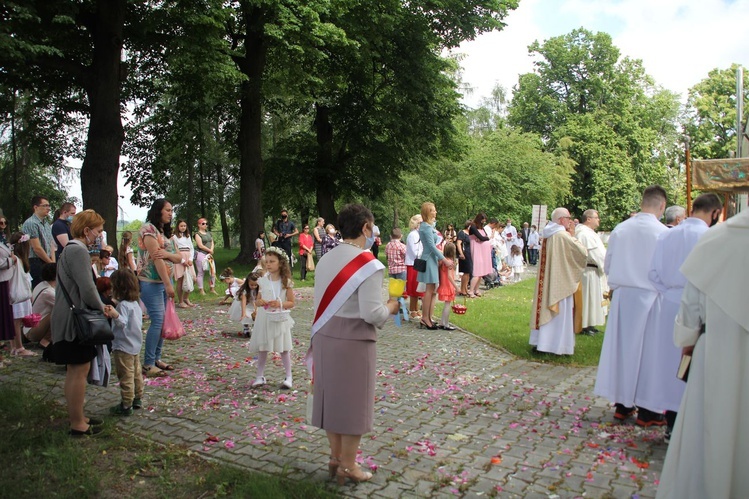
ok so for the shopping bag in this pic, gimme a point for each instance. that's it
(20, 285)
(172, 328)
(310, 262)
(188, 280)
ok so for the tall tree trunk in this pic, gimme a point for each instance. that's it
(105, 133)
(201, 150)
(325, 171)
(220, 180)
(252, 64)
(190, 211)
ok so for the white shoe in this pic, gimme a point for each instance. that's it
(258, 382)
(286, 384)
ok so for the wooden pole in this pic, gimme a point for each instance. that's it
(689, 178)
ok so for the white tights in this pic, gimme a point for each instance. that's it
(262, 357)
(446, 313)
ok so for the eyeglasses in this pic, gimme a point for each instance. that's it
(44, 205)
(203, 223)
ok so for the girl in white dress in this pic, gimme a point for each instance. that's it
(273, 323)
(243, 307)
(516, 261)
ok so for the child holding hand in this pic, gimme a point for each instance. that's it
(128, 337)
(447, 288)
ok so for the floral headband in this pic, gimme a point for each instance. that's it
(281, 254)
(24, 238)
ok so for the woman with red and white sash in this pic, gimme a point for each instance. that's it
(348, 309)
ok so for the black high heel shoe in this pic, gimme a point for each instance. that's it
(424, 325)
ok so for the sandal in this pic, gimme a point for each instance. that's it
(153, 372)
(163, 365)
(354, 474)
(22, 352)
(183, 305)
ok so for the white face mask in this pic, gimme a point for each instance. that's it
(331, 232)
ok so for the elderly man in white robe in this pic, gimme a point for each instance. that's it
(627, 264)
(559, 273)
(657, 385)
(709, 451)
(594, 279)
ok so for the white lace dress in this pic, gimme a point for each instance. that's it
(268, 335)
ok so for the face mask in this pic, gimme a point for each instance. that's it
(331, 232)
(69, 219)
(369, 241)
(90, 242)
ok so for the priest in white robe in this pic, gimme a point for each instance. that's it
(709, 450)
(560, 269)
(594, 279)
(627, 264)
(657, 385)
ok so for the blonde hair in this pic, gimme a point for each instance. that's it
(415, 221)
(426, 208)
(86, 218)
(449, 250)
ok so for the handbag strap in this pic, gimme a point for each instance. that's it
(62, 286)
(65, 292)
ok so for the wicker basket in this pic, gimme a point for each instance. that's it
(460, 309)
(31, 320)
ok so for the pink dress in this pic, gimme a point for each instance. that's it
(481, 253)
(446, 290)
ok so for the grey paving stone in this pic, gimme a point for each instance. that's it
(452, 395)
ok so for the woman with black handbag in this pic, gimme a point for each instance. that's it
(432, 257)
(75, 276)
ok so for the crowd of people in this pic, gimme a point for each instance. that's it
(667, 298)
(676, 310)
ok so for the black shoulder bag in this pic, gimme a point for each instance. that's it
(420, 265)
(91, 326)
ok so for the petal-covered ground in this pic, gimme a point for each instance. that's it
(454, 415)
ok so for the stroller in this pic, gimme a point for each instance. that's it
(492, 280)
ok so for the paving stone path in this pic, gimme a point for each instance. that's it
(454, 415)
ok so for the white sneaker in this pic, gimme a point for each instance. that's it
(286, 384)
(258, 382)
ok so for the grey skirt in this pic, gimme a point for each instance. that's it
(345, 370)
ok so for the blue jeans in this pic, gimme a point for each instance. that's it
(153, 295)
(399, 275)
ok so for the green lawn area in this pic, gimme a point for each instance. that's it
(502, 317)
(46, 462)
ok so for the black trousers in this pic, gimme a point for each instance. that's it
(35, 270)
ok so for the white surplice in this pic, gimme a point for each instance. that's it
(558, 335)
(709, 449)
(658, 388)
(627, 263)
(594, 279)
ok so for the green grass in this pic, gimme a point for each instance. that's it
(43, 461)
(502, 317)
